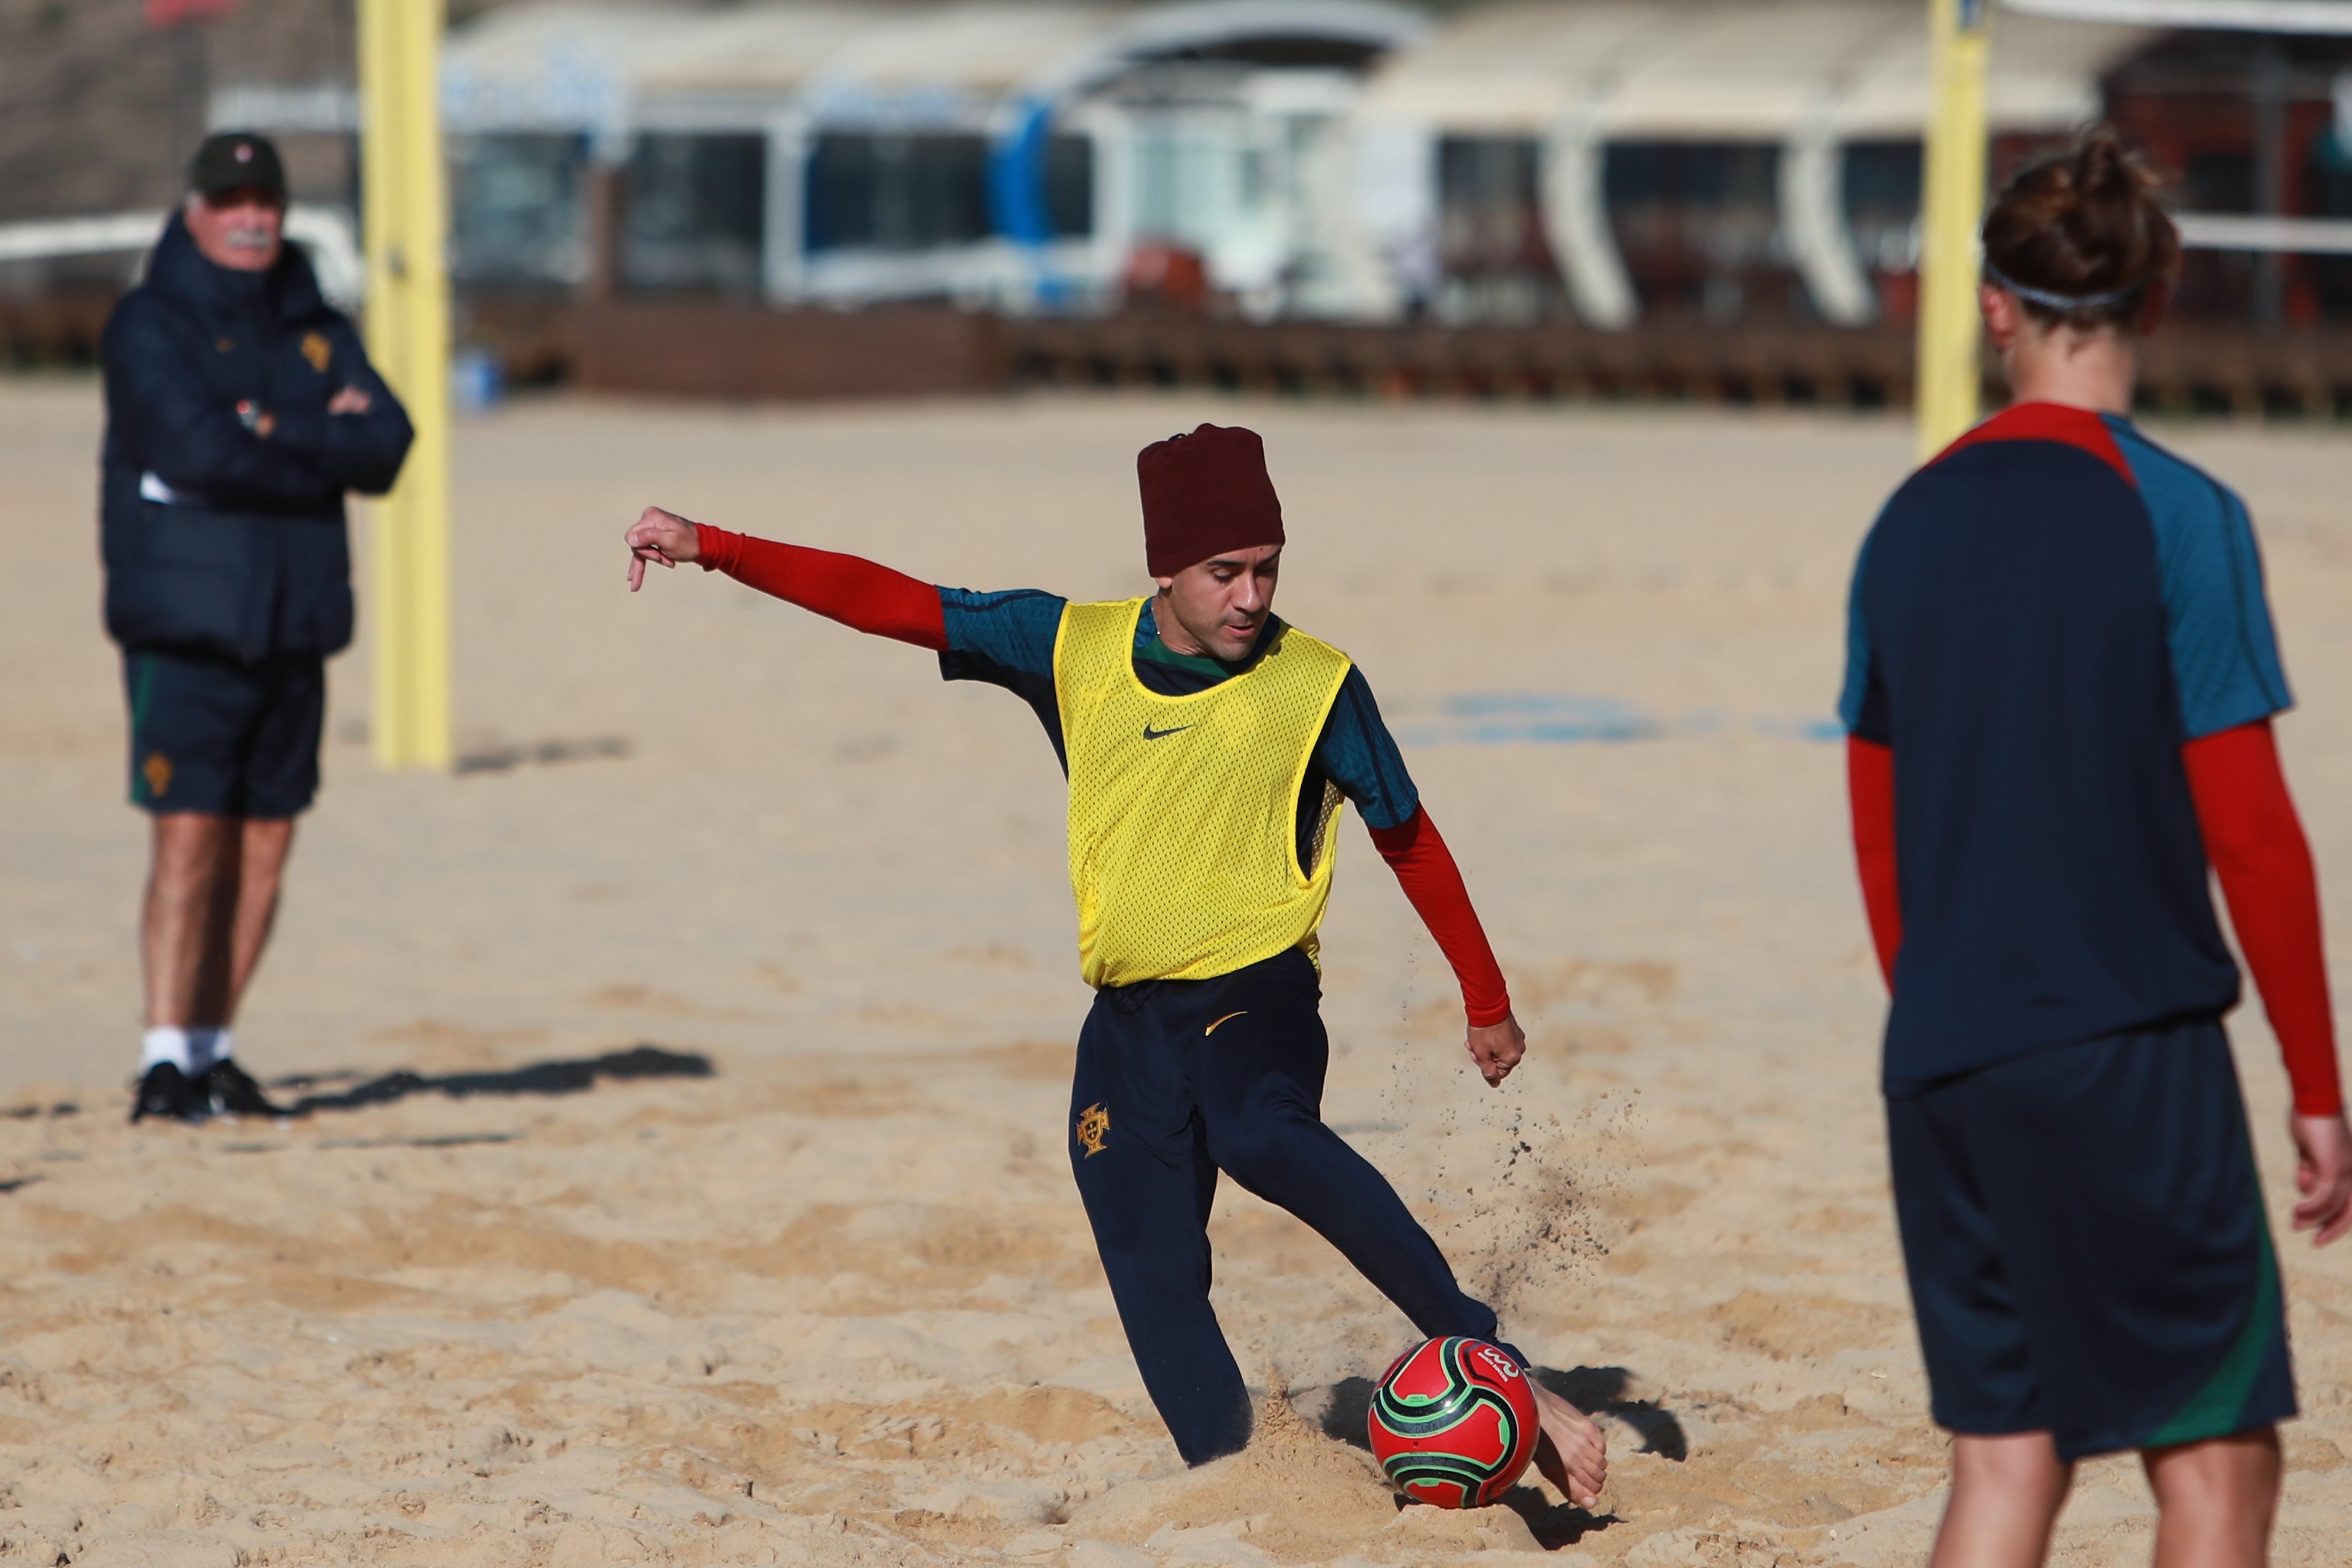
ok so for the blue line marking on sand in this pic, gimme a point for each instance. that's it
(1571, 718)
(1819, 729)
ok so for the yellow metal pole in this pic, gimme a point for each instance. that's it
(425, 223)
(387, 616)
(1951, 212)
(403, 207)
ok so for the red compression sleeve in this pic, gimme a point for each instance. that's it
(844, 588)
(1870, 788)
(2255, 841)
(1432, 885)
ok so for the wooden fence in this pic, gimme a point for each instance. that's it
(734, 351)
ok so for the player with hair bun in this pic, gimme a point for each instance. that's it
(2061, 679)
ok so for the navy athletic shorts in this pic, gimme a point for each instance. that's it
(2087, 1249)
(217, 734)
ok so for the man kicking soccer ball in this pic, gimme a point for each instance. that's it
(1208, 747)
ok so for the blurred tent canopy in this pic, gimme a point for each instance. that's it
(1309, 149)
(1725, 69)
(2324, 16)
(835, 150)
(1776, 88)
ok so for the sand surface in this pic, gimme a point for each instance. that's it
(722, 1213)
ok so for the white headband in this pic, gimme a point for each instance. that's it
(2066, 302)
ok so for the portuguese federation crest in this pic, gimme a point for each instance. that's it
(1094, 1126)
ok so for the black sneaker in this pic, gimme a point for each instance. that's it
(165, 1093)
(228, 1090)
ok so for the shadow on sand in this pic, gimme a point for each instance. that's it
(564, 1076)
(1596, 1390)
(542, 754)
(1601, 1391)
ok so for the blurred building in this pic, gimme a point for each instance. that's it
(1608, 161)
(1717, 161)
(2252, 126)
(629, 176)
(1000, 153)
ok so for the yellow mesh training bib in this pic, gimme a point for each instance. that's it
(1184, 811)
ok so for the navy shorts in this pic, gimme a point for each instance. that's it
(217, 734)
(2087, 1249)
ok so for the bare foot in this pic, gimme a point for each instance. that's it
(1574, 1452)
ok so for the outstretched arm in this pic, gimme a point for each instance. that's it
(1433, 883)
(845, 588)
(2256, 844)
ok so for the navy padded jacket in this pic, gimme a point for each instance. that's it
(252, 557)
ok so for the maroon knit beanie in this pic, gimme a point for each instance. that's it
(1204, 494)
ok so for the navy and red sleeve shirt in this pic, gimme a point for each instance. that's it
(2058, 645)
(1007, 639)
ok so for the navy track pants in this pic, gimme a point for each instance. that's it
(1178, 1080)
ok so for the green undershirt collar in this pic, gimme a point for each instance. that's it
(1159, 653)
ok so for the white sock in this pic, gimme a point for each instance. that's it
(166, 1043)
(206, 1046)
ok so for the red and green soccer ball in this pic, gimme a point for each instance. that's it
(1454, 1422)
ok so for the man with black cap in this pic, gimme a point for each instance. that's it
(1208, 747)
(240, 409)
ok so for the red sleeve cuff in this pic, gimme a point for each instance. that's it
(716, 548)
